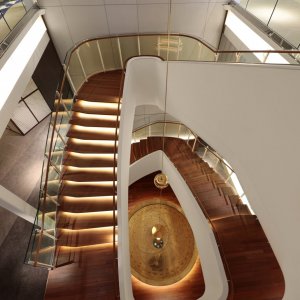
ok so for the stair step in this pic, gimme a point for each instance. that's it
(88, 160)
(99, 108)
(67, 102)
(93, 120)
(86, 204)
(220, 212)
(90, 146)
(243, 209)
(68, 220)
(86, 189)
(92, 133)
(84, 237)
(88, 174)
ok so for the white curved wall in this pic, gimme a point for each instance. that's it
(216, 286)
(250, 115)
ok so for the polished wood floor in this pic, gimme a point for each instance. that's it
(192, 286)
(252, 265)
(86, 259)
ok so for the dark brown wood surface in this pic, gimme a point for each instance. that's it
(85, 256)
(254, 271)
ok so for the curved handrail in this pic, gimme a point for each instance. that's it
(61, 103)
(210, 47)
(222, 254)
(221, 251)
(209, 148)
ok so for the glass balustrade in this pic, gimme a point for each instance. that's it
(11, 12)
(105, 54)
(206, 153)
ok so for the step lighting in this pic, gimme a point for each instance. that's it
(97, 117)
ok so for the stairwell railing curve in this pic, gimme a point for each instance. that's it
(83, 61)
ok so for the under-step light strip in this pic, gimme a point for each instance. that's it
(106, 170)
(90, 247)
(109, 156)
(104, 143)
(107, 229)
(93, 199)
(97, 104)
(106, 130)
(83, 215)
(91, 183)
(97, 117)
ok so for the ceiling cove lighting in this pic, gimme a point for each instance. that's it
(15, 65)
(252, 40)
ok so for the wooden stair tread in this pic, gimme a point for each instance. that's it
(85, 237)
(95, 108)
(93, 120)
(102, 160)
(90, 146)
(91, 133)
(84, 189)
(85, 220)
(92, 174)
(86, 204)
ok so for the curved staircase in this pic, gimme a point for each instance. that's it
(251, 263)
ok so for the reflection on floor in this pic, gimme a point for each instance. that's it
(143, 194)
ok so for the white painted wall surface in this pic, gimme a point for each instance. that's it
(135, 86)
(71, 21)
(7, 108)
(250, 115)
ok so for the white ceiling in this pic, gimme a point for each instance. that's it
(71, 21)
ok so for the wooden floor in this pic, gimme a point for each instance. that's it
(253, 268)
(192, 286)
(85, 257)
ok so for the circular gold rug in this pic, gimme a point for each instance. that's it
(172, 262)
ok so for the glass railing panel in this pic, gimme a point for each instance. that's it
(76, 71)
(211, 159)
(169, 47)
(14, 14)
(183, 132)
(222, 169)
(149, 45)
(206, 54)
(43, 249)
(157, 129)
(190, 49)
(172, 130)
(4, 29)
(110, 55)
(91, 58)
(261, 9)
(140, 134)
(129, 47)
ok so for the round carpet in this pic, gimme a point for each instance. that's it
(173, 261)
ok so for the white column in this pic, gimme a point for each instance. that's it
(16, 205)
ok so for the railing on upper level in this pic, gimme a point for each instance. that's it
(13, 14)
(99, 55)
